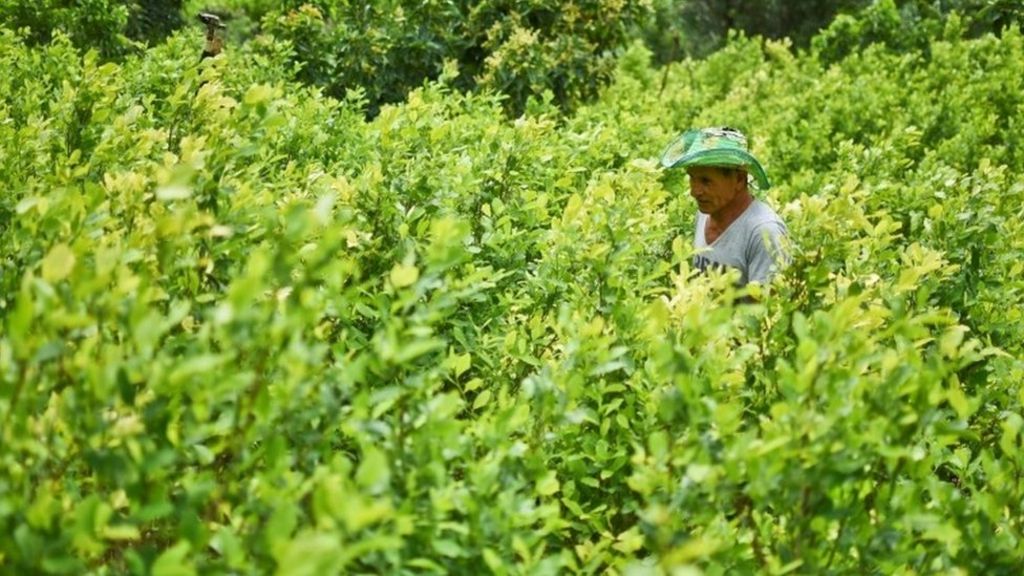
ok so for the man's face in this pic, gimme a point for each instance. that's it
(714, 188)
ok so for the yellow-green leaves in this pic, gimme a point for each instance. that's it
(373, 472)
(629, 541)
(173, 192)
(258, 94)
(172, 562)
(403, 275)
(246, 329)
(58, 263)
(481, 399)
(547, 484)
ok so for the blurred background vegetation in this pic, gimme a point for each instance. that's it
(545, 49)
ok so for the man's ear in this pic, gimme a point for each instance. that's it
(741, 177)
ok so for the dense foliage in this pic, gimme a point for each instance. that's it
(910, 25)
(562, 52)
(246, 330)
(111, 27)
(519, 48)
(700, 27)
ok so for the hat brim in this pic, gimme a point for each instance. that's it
(674, 157)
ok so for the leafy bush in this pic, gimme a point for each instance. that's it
(520, 49)
(108, 26)
(246, 330)
(697, 28)
(910, 25)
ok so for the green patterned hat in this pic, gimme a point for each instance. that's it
(721, 147)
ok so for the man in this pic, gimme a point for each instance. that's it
(214, 43)
(734, 229)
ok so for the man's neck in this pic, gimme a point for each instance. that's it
(729, 213)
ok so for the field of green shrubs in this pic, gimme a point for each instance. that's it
(246, 328)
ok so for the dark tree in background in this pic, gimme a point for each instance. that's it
(699, 27)
(107, 26)
(153, 20)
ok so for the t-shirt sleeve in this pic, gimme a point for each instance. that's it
(766, 253)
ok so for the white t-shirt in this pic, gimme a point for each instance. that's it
(752, 244)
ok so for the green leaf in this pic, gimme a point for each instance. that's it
(258, 94)
(173, 192)
(27, 204)
(412, 350)
(629, 541)
(657, 442)
(482, 399)
(172, 561)
(547, 484)
(121, 532)
(402, 275)
(447, 548)
(494, 561)
(310, 554)
(58, 264)
(281, 524)
(461, 363)
(373, 473)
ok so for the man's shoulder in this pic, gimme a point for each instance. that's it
(762, 217)
(762, 209)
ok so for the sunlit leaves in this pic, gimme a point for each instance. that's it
(403, 275)
(58, 263)
(245, 330)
